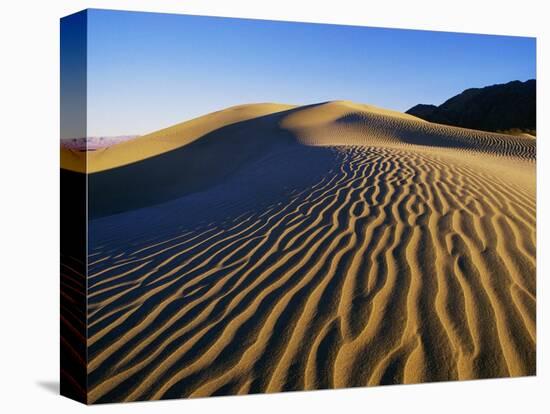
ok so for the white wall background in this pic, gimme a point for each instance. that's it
(29, 194)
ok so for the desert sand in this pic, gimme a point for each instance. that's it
(269, 247)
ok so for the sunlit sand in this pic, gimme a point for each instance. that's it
(271, 247)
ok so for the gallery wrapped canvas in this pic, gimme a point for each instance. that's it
(253, 206)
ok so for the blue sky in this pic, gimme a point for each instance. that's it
(147, 71)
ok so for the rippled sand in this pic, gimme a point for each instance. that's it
(333, 245)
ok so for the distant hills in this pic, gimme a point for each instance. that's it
(508, 107)
(94, 143)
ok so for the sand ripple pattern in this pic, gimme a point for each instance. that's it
(360, 126)
(396, 267)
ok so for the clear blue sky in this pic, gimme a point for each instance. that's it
(147, 71)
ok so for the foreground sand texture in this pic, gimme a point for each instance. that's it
(269, 248)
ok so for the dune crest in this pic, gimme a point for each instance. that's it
(331, 123)
(347, 123)
(197, 154)
(164, 140)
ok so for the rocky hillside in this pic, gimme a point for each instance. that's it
(509, 107)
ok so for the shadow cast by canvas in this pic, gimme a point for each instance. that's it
(50, 386)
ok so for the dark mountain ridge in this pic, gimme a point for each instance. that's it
(508, 107)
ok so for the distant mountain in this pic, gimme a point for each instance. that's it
(508, 107)
(94, 143)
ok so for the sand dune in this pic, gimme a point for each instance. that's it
(295, 248)
(179, 160)
(164, 140)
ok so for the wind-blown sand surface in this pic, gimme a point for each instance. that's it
(266, 248)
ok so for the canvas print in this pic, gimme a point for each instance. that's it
(253, 206)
